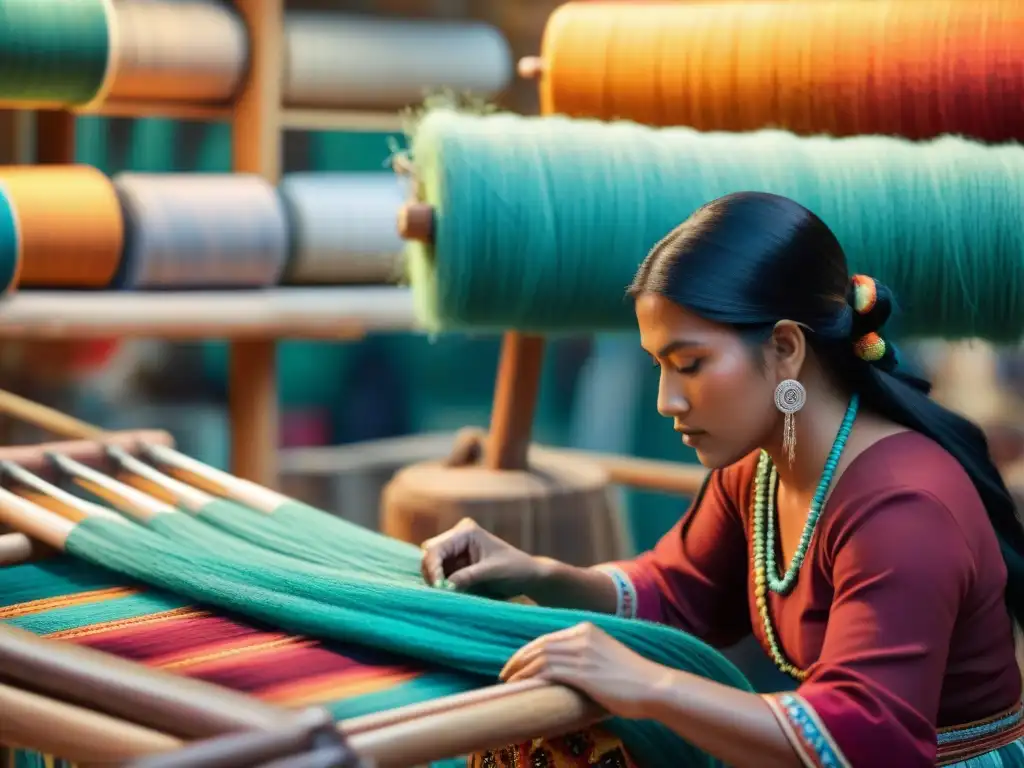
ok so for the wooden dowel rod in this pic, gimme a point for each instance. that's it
(89, 452)
(242, 750)
(416, 222)
(442, 705)
(651, 474)
(393, 452)
(18, 548)
(329, 756)
(515, 400)
(542, 712)
(180, 706)
(31, 721)
(44, 417)
(530, 67)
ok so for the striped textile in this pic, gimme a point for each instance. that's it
(69, 600)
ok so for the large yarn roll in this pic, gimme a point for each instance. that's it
(343, 227)
(541, 222)
(54, 51)
(70, 224)
(201, 231)
(177, 50)
(842, 67)
(334, 60)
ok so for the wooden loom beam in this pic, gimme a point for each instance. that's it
(181, 706)
(33, 721)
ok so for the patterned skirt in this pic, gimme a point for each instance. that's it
(997, 742)
(1010, 756)
(594, 747)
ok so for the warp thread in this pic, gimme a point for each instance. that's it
(540, 223)
(839, 67)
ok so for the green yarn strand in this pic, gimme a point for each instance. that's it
(54, 51)
(541, 222)
(299, 532)
(411, 620)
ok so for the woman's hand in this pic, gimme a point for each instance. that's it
(591, 661)
(467, 557)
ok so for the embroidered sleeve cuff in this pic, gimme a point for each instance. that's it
(806, 731)
(638, 597)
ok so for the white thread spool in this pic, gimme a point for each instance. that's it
(186, 50)
(343, 227)
(197, 51)
(201, 231)
(334, 60)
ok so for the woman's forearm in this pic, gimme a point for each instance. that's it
(735, 726)
(565, 586)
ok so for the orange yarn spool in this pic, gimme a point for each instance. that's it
(910, 68)
(70, 224)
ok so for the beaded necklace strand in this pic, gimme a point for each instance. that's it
(766, 569)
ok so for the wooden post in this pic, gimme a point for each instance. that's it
(16, 142)
(55, 138)
(256, 148)
(515, 400)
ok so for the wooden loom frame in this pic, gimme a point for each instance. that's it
(111, 709)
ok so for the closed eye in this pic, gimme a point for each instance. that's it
(690, 369)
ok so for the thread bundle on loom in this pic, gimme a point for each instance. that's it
(72, 227)
(541, 222)
(72, 52)
(838, 67)
(390, 610)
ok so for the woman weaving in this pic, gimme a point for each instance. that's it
(856, 527)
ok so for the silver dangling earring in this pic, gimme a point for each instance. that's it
(790, 397)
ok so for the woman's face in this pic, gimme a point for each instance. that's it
(712, 387)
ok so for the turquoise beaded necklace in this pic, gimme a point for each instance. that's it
(766, 569)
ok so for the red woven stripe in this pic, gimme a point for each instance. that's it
(237, 656)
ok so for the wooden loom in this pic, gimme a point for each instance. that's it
(93, 708)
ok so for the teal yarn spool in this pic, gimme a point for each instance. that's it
(10, 244)
(54, 51)
(540, 223)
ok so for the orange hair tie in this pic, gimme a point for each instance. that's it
(865, 294)
(870, 347)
